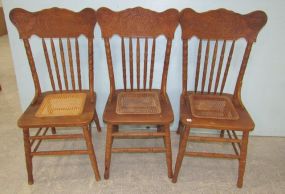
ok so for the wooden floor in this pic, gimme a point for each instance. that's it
(130, 173)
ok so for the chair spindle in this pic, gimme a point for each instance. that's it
(198, 65)
(227, 67)
(48, 64)
(145, 62)
(220, 66)
(78, 63)
(63, 63)
(56, 64)
(71, 63)
(213, 66)
(124, 62)
(138, 63)
(131, 63)
(152, 63)
(205, 65)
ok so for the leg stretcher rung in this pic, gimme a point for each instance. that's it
(211, 155)
(139, 150)
(61, 152)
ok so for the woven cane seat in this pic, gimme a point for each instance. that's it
(138, 103)
(65, 104)
(212, 106)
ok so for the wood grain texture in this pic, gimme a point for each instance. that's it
(216, 25)
(57, 23)
(137, 22)
(224, 24)
(135, 105)
(54, 22)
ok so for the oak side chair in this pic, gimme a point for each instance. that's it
(207, 105)
(69, 104)
(138, 103)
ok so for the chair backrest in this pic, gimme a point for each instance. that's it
(138, 24)
(59, 31)
(218, 30)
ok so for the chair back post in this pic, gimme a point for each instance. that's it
(237, 92)
(91, 67)
(136, 25)
(166, 66)
(56, 23)
(184, 66)
(33, 70)
(217, 25)
(110, 66)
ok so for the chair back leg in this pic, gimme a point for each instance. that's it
(109, 142)
(242, 159)
(28, 155)
(167, 143)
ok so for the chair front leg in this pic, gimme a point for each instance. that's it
(242, 159)
(91, 152)
(167, 142)
(115, 129)
(29, 164)
(181, 153)
(109, 141)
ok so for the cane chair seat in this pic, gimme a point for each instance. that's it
(138, 103)
(68, 104)
(187, 117)
(53, 107)
(212, 106)
(138, 107)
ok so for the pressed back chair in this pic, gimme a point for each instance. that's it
(68, 104)
(207, 105)
(137, 103)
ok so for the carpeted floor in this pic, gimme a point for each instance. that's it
(130, 173)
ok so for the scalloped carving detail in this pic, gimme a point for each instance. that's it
(221, 24)
(137, 22)
(54, 22)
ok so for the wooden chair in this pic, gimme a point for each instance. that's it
(207, 105)
(68, 104)
(137, 103)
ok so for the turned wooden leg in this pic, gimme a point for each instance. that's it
(167, 142)
(109, 140)
(90, 130)
(181, 153)
(96, 119)
(181, 131)
(242, 160)
(222, 134)
(53, 130)
(91, 152)
(29, 163)
(179, 127)
(161, 129)
(115, 128)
